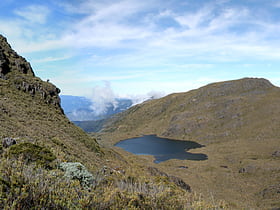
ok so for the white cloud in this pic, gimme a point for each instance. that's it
(51, 59)
(131, 35)
(34, 13)
(102, 97)
(108, 24)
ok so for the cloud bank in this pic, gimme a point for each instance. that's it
(102, 97)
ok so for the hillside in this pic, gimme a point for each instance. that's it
(46, 162)
(226, 109)
(237, 121)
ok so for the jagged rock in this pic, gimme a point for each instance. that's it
(248, 169)
(7, 142)
(180, 183)
(20, 73)
(4, 68)
(76, 170)
(276, 153)
(183, 167)
(11, 61)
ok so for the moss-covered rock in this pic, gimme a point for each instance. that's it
(32, 153)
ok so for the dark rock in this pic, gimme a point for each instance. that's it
(155, 172)
(11, 61)
(222, 166)
(7, 142)
(248, 169)
(180, 183)
(276, 153)
(183, 167)
(4, 67)
(17, 70)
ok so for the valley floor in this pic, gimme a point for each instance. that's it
(245, 174)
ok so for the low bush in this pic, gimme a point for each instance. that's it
(32, 153)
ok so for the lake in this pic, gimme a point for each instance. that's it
(162, 148)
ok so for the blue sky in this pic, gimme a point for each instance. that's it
(142, 46)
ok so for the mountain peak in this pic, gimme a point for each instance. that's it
(10, 61)
(240, 87)
(20, 75)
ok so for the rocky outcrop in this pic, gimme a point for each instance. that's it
(20, 74)
(7, 142)
(10, 61)
(276, 153)
(35, 87)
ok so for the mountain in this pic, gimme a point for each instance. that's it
(225, 109)
(79, 108)
(46, 162)
(238, 122)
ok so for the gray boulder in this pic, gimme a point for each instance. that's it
(7, 142)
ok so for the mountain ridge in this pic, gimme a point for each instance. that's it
(223, 101)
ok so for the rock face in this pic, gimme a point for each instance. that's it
(11, 61)
(19, 73)
(7, 142)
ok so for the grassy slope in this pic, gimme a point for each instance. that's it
(29, 118)
(238, 121)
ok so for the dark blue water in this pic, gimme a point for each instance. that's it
(161, 148)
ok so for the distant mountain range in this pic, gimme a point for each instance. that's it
(79, 108)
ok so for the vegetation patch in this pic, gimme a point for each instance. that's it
(77, 171)
(32, 153)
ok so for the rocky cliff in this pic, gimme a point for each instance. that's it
(18, 72)
(10, 61)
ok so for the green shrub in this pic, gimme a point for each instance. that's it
(32, 153)
(77, 171)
